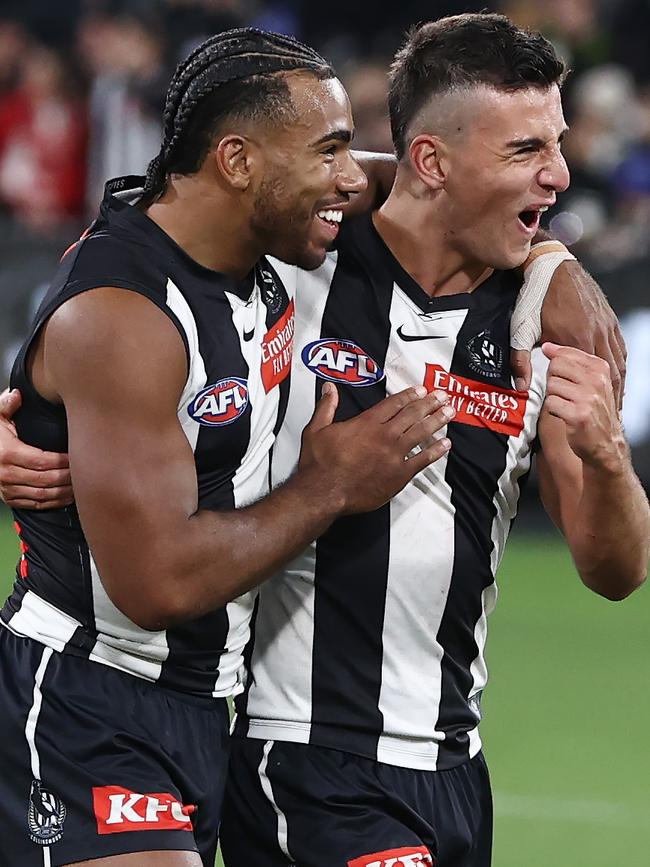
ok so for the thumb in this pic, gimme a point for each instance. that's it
(521, 367)
(325, 408)
(550, 350)
(10, 402)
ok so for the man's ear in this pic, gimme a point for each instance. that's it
(236, 159)
(428, 158)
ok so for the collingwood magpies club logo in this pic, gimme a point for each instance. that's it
(271, 295)
(485, 356)
(45, 815)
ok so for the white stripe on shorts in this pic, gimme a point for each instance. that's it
(267, 788)
(30, 730)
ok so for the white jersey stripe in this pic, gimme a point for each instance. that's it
(287, 601)
(196, 375)
(43, 622)
(267, 788)
(412, 616)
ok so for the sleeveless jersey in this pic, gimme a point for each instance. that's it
(238, 340)
(372, 641)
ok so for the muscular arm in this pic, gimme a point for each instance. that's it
(587, 483)
(118, 365)
(380, 170)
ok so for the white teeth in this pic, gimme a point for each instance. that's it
(331, 216)
(543, 208)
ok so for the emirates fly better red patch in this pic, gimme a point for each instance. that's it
(479, 403)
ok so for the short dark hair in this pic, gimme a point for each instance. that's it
(233, 74)
(463, 51)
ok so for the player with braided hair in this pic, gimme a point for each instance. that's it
(160, 360)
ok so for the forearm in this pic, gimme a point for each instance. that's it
(610, 536)
(189, 563)
(232, 552)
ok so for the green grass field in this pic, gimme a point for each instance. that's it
(567, 713)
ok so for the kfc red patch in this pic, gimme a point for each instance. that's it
(479, 403)
(118, 809)
(408, 856)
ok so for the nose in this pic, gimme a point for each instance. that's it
(352, 178)
(555, 174)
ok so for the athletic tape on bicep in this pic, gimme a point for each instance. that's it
(526, 323)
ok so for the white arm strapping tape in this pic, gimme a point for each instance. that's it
(526, 322)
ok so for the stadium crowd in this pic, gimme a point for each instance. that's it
(82, 84)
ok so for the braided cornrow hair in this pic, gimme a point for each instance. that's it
(231, 73)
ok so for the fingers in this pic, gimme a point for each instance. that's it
(22, 497)
(560, 407)
(415, 411)
(56, 478)
(521, 367)
(420, 461)
(10, 402)
(421, 432)
(391, 406)
(30, 458)
(325, 408)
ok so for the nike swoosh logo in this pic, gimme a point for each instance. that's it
(408, 337)
(248, 335)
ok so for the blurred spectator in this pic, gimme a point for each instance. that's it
(367, 86)
(42, 142)
(124, 58)
(13, 43)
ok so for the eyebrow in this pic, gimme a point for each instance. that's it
(344, 135)
(534, 141)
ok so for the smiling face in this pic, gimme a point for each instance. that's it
(309, 174)
(502, 167)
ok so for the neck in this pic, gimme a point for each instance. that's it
(208, 223)
(414, 229)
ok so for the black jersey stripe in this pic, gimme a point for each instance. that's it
(475, 463)
(346, 597)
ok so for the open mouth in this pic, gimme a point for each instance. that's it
(530, 219)
(330, 220)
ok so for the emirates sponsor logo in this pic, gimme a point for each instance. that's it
(118, 809)
(277, 349)
(409, 856)
(498, 409)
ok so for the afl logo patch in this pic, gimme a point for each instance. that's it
(341, 361)
(221, 403)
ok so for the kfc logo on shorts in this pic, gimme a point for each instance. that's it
(408, 856)
(221, 403)
(341, 361)
(118, 810)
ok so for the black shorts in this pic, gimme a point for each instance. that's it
(294, 804)
(94, 762)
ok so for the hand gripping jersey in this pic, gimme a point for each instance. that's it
(372, 640)
(238, 341)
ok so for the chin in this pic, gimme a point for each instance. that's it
(509, 259)
(307, 259)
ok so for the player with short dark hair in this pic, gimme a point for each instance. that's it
(160, 360)
(357, 737)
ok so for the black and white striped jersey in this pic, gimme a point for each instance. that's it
(238, 340)
(372, 641)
